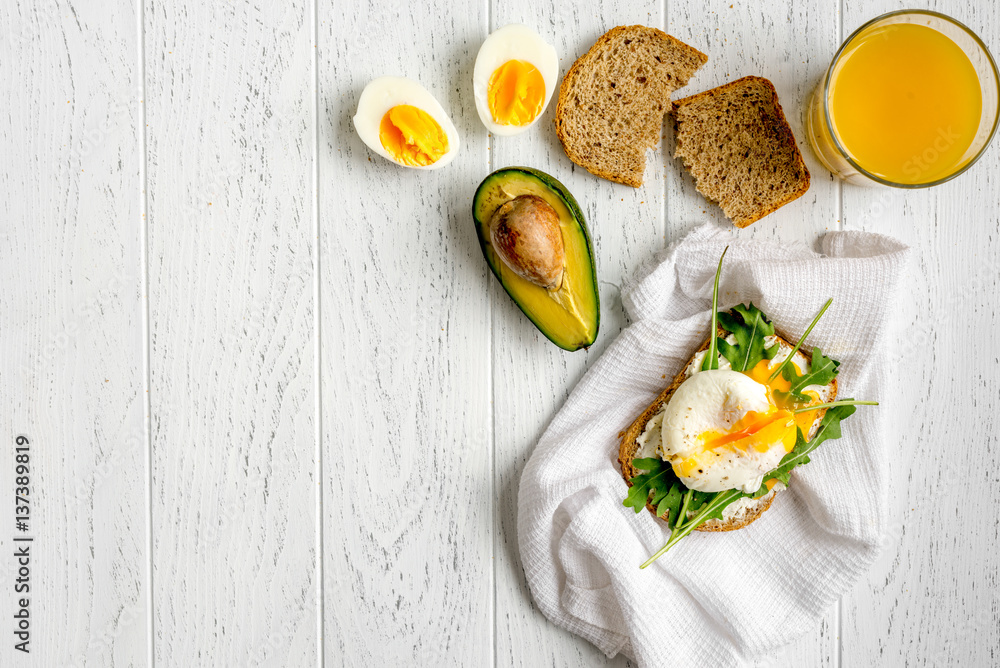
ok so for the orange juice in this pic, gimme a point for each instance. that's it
(905, 103)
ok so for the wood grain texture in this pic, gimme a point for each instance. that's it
(71, 328)
(408, 509)
(232, 369)
(933, 599)
(432, 381)
(531, 377)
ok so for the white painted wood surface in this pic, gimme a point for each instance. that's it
(71, 331)
(232, 364)
(340, 397)
(405, 332)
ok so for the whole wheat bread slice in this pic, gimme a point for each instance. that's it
(613, 99)
(736, 143)
(630, 444)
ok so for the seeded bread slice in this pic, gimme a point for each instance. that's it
(736, 143)
(612, 101)
(734, 517)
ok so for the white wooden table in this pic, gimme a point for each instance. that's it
(277, 405)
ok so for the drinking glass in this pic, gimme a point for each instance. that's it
(820, 124)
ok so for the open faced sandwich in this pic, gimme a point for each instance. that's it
(719, 443)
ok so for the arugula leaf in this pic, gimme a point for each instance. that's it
(658, 486)
(661, 487)
(783, 477)
(711, 510)
(698, 501)
(749, 325)
(712, 504)
(821, 371)
(712, 356)
(829, 428)
(795, 348)
(671, 501)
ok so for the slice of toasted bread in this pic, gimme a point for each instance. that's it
(740, 513)
(613, 99)
(736, 143)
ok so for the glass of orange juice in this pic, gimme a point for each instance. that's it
(910, 101)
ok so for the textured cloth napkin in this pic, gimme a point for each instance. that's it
(714, 599)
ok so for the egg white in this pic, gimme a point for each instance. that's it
(384, 93)
(823, 392)
(713, 401)
(650, 444)
(512, 42)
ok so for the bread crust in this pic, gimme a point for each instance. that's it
(582, 62)
(629, 445)
(780, 130)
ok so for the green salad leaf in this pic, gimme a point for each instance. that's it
(658, 486)
(710, 505)
(712, 356)
(749, 326)
(791, 355)
(710, 510)
(821, 370)
(829, 428)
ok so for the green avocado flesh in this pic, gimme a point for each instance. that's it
(569, 316)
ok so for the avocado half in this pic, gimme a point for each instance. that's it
(571, 315)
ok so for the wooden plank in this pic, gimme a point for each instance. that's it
(931, 599)
(406, 348)
(71, 335)
(532, 378)
(231, 250)
(789, 43)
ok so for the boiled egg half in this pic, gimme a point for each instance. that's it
(401, 121)
(513, 79)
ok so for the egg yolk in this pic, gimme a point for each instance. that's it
(757, 432)
(516, 93)
(762, 372)
(412, 136)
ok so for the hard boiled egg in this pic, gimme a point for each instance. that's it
(401, 121)
(721, 430)
(513, 79)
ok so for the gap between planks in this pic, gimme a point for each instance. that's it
(140, 19)
(317, 342)
(493, 412)
(839, 611)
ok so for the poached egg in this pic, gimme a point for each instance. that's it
(722, 429)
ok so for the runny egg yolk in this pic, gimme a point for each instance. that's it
(516, 93)
(412, 136)
(762, 372)
(754, 432)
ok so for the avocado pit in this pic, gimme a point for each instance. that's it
(525, 234)
(569, 316)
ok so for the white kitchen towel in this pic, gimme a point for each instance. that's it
(714, 599)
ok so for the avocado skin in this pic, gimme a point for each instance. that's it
(579, 236)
